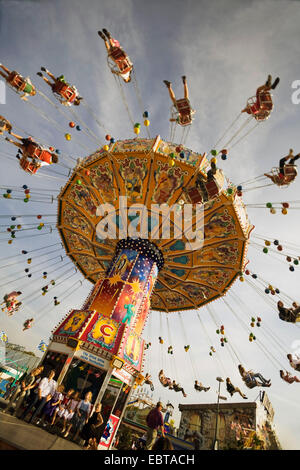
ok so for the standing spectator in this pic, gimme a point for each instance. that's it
(61, 408)
(70, 410)
(52, 405)
(10, 389)
(154, 422)
(92, 430)
(32, 391)
(30, 383)
(21, 389)
(81, 415)
(45, 391)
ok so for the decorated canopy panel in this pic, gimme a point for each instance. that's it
(128, 186)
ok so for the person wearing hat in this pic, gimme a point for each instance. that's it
(154, 421)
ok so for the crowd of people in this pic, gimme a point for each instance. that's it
(38, 399)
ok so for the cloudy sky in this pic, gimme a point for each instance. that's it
(226, 49)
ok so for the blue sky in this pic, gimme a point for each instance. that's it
(226, 49)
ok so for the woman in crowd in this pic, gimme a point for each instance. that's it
(81, 415)
(52, 405)
(92, 430)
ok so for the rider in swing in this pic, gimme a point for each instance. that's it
(31, 149)
(263, 105)
(182, 106)
(66, 94)
(19, 83)
(287, 169)
(118, 55)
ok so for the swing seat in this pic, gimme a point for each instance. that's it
(183, 111)
(260, 107)
(212, 188)
(43, 155)
(183, 106)
(194, 195)
(124, 66)
(250, 384)
(31, 149)
(262, 115)
(65, 90)
(17, 81)
(29, 167)
(34, 151)
(121, 60)
(266, 102)
(290, 173)
(117, 54)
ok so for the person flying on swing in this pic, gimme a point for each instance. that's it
(19, 83)
(27, 324)
(294, 361)
(287, 170)
(231, 389)
(165, 381)
(66, 94)
(199, 387)
(250, 378)
(31, 149)
(182, 106)
(177, 388)
(263, 105)
(287, 377)
(118, 55)
(290, 315)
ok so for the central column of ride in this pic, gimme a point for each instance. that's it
(105, 336)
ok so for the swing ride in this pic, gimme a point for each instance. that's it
(133, 274)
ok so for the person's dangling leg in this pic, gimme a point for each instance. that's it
(269, 81)
(108, 43)
(277, 80)
(171, 92)
(281, 164)
(45, 78)
(185, 87)
(48, 73)
(241, 393)
(5, 70)
(19, 137)
(292, 160)
(17, 144)
(261, 378)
